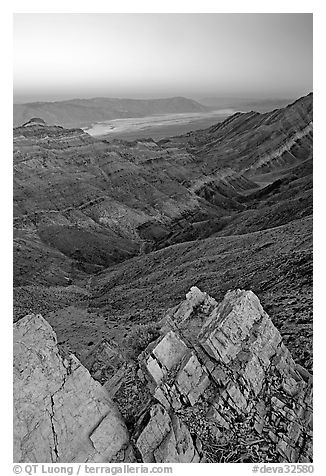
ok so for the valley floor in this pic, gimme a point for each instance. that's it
(158, 126)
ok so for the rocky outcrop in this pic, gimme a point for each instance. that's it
(225, 372)
(218, 385)
(60, 413)
(35, 121)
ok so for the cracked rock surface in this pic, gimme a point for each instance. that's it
(61, 414)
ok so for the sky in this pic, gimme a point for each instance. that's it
(62, 56)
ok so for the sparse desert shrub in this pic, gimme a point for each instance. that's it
(140, 337)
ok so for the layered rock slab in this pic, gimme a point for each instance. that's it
(166, 439)
(60, 413)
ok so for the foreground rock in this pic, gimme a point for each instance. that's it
(218, 385)
(60, 413)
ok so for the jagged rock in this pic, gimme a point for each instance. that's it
(191, 313)
(195, 296)
(60, 413)
(234, 375)
(176, 372)
(166, 439)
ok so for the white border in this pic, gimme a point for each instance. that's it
(168, 6)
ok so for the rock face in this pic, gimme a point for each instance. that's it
(60, 413)
(218, 385)
(224, 370)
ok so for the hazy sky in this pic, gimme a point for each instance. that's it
(155, 55)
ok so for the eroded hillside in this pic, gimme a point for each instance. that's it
(233, 201)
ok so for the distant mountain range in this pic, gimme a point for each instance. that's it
(85, 112)
(245, 104)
